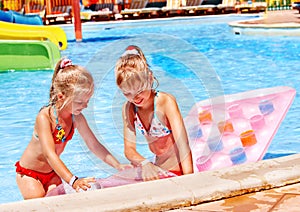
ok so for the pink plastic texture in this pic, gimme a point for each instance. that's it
(255, 117)
(124, 177)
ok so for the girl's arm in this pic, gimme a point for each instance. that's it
(93, 144)
(129, 135)
(179, 133)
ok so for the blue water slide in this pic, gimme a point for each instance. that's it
(15, 17)
(6, 16)
(27, 19)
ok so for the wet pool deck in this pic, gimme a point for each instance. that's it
(281, 198)
(268, 185)
(279, 17)
(286, 198)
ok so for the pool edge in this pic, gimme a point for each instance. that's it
(176, 192)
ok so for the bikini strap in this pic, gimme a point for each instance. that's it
(56, 117)
(135, 108)
(55, 114)
(154, 106)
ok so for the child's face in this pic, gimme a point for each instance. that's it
(80, 102)
(138, 97)
(137, 88)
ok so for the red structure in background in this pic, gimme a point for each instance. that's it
(48, 5)
(77, 21)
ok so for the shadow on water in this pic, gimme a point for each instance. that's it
(100, 39)
(275, 155)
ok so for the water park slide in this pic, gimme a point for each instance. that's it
(14, 31)
(28, 55)
(223, 132)
(15, 17)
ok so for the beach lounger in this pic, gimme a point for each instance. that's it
(191, 5)
(35, 9)
(227, 6)
(249, 7)
(134, 9)
(153, 9)
(97, 12)
(173, 8)
(60, 13)
(260, 6)
(208, 7)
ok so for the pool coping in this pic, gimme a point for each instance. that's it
(274, 29)
(172, 193)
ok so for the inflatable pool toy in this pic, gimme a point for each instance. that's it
(223, 132)
(28, 55)
(124, 177)
(13, 31)
(235, 129)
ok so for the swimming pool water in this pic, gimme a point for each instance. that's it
(192, 58)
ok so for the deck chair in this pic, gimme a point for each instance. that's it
(208, 6)
(260, 6)
(97, 12)
(251, 7)
(173, 8)
(134, 9)
(60, 13)
(35, 9)
(153, 9)
(227, 6)
(191, 5)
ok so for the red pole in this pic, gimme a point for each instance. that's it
(48, 7)
(77, 21)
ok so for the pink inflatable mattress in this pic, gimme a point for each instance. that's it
(235, 129)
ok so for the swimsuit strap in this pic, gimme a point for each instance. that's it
(55, 114)
(154, 107)
(56, 117)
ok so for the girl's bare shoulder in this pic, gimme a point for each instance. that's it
(165, 98)
(44, 114)
(43, 118)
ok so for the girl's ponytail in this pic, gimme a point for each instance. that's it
(61, 64)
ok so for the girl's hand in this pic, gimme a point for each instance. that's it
(83, 183)
(124, 166)
(152, 172)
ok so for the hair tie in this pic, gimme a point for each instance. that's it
(130, 47)
(130, 51)
(65, 63)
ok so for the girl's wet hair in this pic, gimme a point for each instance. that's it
(132, 70)
(69, 80)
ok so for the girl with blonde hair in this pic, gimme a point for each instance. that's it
(154, 114)
(40, 168)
